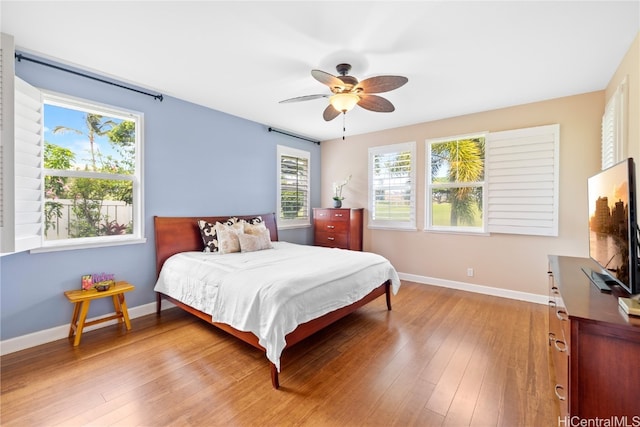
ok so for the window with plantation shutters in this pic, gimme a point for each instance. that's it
(51, 198)
(614, 127)
(392, 186)
(294, 187)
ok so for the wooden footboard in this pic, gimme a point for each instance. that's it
(181, 234)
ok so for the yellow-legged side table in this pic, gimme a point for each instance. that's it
(82, 300)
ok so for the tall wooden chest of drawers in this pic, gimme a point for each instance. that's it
(338, 228)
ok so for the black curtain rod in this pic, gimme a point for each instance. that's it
(20, 57)
(294, 136)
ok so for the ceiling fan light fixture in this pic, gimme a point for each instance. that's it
(344, 102)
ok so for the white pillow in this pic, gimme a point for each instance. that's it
(228, 237)
(255, 242)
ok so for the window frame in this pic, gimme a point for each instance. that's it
(429, 186)
(137, 236)
(283, 223)
(406, 225)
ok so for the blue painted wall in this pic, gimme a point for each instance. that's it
(197, 161)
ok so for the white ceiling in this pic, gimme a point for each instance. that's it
(243, 57)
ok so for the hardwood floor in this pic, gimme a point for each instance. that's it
(441, 358)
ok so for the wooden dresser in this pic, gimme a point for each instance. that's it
(338, 228)
(594, 347)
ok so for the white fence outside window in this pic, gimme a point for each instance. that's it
(118, 211)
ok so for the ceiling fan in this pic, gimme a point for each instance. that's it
(347, 92)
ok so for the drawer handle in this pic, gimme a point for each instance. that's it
(554, 289)
(552, 303)
(557, 388)
(562, 315)
(331, 238)
(331, 226)
(562, 347)
(552, 337)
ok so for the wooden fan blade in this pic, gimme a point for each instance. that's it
(375, 103)
(330, 113)
(327, 79)
(381, 84)
(303, 98)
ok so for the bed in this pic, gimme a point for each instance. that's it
(301, 305)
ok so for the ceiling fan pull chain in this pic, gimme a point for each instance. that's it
(344, 123)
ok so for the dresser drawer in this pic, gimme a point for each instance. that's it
(340, 215)
(332, 214)
(333, 240)
(322, 214)
(331, 226)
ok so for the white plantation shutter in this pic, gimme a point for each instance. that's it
(294, 188)
(522, 174)
(392, 186)
(608, 146)
(21, 151)
(29, 151)
(614, 128)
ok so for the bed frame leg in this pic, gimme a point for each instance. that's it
(388, 294)
(274, 377)
(158, 303)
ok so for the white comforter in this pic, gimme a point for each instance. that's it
(271, 292)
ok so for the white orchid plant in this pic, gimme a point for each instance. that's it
(337, 188)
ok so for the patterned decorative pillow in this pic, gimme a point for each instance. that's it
(255, 242)
(255, 221)
(209, 238)
(232, 220)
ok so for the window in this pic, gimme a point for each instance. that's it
(614, 127)
(392, 186)
(92, 172)
(456, 184)
(293, 187)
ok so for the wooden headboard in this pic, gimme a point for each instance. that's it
(182, 234)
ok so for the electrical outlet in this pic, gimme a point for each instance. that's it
(470, 272)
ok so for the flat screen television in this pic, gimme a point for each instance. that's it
(613, 229)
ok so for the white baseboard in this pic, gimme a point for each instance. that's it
(41, 337)
(479, 289)
(53, 334)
